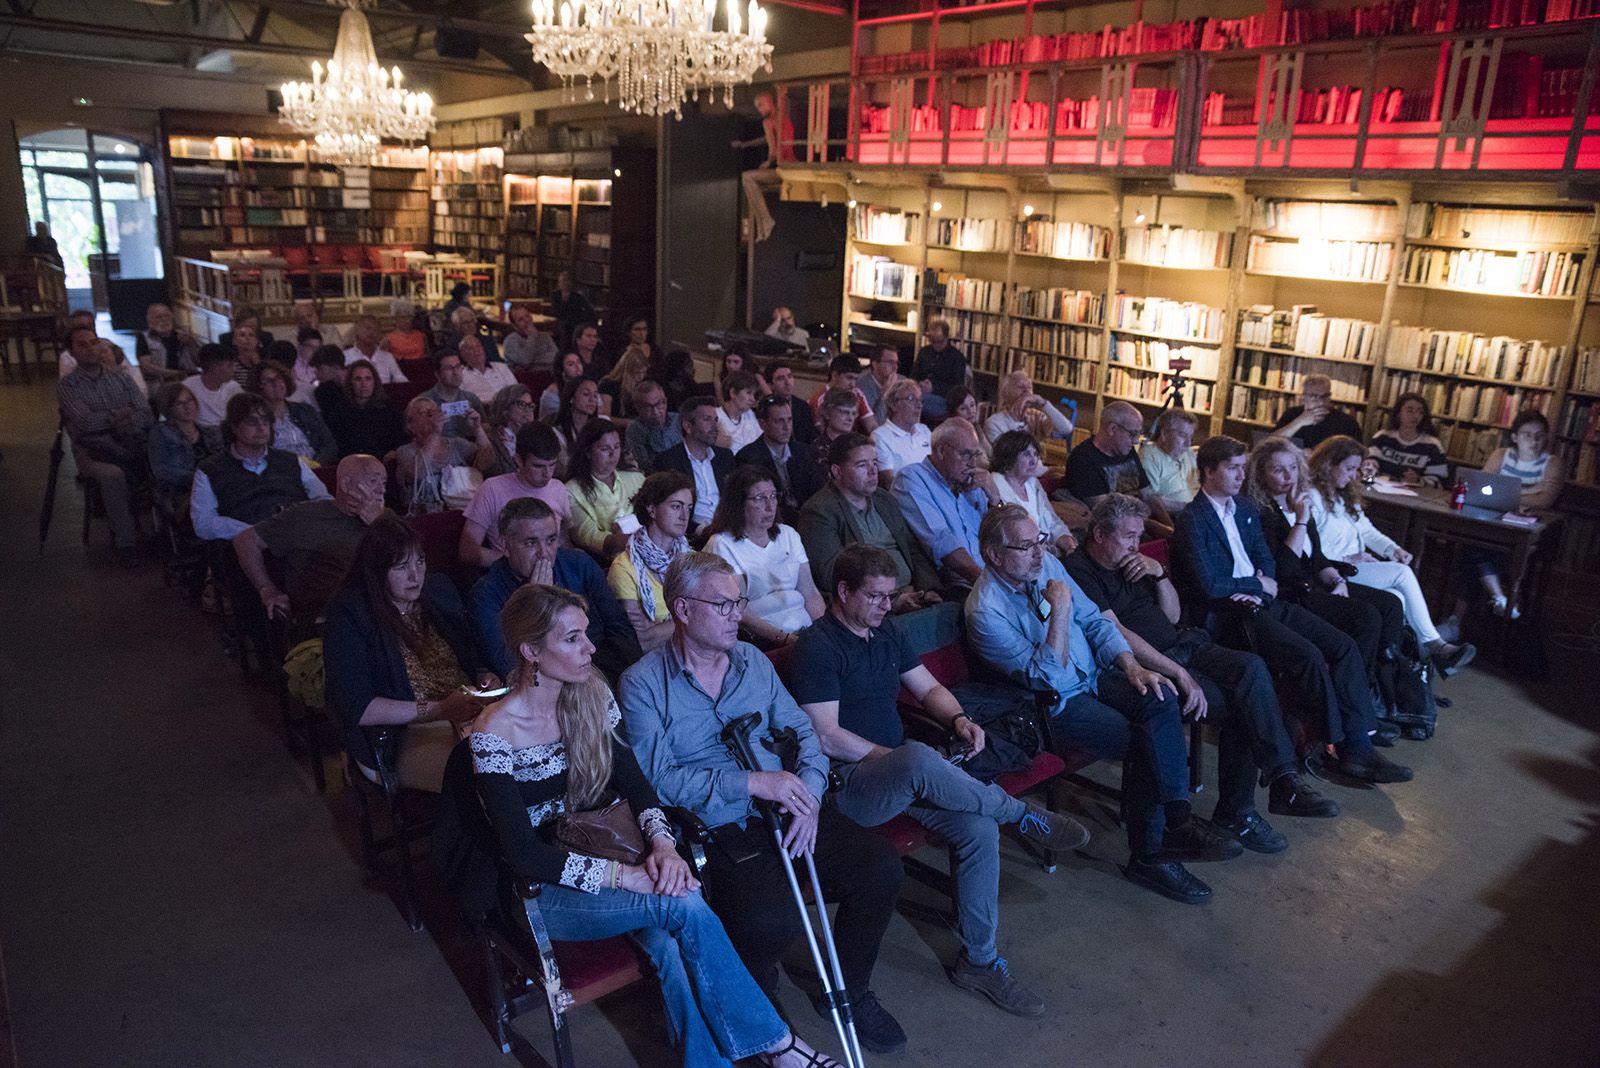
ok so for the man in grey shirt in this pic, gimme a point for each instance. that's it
(654, 430)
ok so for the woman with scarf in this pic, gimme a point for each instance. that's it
(663, 507)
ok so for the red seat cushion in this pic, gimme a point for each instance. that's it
(440, 533)
(1045, 766)
(905, 834)
(1157, 550)
(296, 256)
(327, 473)
(350, 255)
(373, 258)
(591, 970)
(399, 394)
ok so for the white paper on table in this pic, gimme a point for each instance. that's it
(1393, 489)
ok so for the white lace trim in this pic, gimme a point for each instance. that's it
(545, 811)
(653, 822)
(492, 754)
(584, 873)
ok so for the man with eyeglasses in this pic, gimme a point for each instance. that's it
(1030, 621)
(677, 700)
(248, 481)
(847, 669)
(453, 401)
(1315, 419)
(943, 498)
(654, 429)
(1108, 463)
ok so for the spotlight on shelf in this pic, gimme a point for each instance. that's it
(937, 206)
(852, 204)
(1027, 209)
(616, 172)
(1139, 218)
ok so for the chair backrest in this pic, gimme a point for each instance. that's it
(351, 255)
(372, 257)
(536, 381)
(296, 256)
(1158, 550)
(440, 533)
(400, 393)
(328, 473)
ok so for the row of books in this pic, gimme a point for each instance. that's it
(1177, 246)
(1149, 108)
(1151, 355)
(1253, 406)
(1304, 329)
(879, 276)
(1583, 465)
(1123, 384)
(1365, 261)
(1286, 372)
(1586, 370)
(889, 226)
(1172, 318)
(1324, 218)
(962, 291)
(971, 327)
(1069, 240)
(967, 234)
(1062, 373)
(1323, 107)
(1547, 274)
(1580, 419)
(1450, 399)
(1057, 340)
(1452, 222)
(1459, 352)
(1061, 305)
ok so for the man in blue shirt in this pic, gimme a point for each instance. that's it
(532, 536)
(1029, 620)
(677, 701)
(848, 668)
(943, 498)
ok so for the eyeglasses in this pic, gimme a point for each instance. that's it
(724, 608)
(1129, 430)
(1033, 546)
(968, 455)
(522, 404)
(762, 498)
(884, 599)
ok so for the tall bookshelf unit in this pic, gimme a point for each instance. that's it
(468, 201)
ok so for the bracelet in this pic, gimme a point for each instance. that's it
(615, 880)
(959, 715)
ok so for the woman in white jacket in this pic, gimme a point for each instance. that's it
(1347, 534)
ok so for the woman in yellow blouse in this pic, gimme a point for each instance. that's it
(601, 495)
(662, 508)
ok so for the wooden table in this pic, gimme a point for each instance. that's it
(1411, 520)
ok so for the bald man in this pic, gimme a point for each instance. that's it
(316, 540)
(1109, 463)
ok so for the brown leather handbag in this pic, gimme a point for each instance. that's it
(610, 832)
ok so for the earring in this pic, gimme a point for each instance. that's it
(536, 673)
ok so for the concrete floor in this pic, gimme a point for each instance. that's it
(175, 893)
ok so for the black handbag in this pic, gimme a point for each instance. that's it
(1011, 738)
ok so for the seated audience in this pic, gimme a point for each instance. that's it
(109, 421)
(537, 452)
(1231, 572)
(768, 557)
(638, 331)
(1020, 408)
(675, 372)
(736, 417)
(901, 438)
(570, 307)
(781, 376)
(1409, 451)
(836, 413)
(248, 316)
(1107, 463)
(580, 404)
(844, 370)
(534, 557)
(327, 367)
(602, 495)
(854, 509)
(1168, 460)
(512, 409)
(405, 341)
(943, 499)
(367, 345)
(545, 748)
(463, 411)
(731, 363)
(1348, 535)
(662, 508)
(1029, 621)
(1315, 419)
(247, 349)
(214, 384)
(883, 371)
(308, 340)
(1214, 683)
(296, 427)
(654, 429)
(961, 402)
(460, 297)
(113, 357)
(359, 414)
(527, 345)
(569, 370)
(177, 445)
(248, 480)
(316, 540)
(794, 470)
(586, 343)
(465, 324)
(674, 725)
(939, 368)
(700, 457)
(397, 651)
(1016, 468)
(480, 377)
(616, 388)
(784, 328)
(846, 673)
(165, 350)
(420, 464)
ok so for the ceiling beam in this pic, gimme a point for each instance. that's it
(126, 33)
(422, 15)
(505, 43)
(258, 25)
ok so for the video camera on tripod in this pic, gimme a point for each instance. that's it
(1172, 393)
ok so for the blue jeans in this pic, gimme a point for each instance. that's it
(716, 1014)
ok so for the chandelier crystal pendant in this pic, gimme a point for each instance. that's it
(350, 108)
(659, 52)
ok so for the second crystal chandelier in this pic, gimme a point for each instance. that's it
(660, 52)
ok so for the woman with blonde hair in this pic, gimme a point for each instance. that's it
(1348, 535)
(616, 388)
(550, 748)
(1020, 408)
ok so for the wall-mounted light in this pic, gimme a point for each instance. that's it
(938, 206)
(83, 102)
(852, 203)
(1139, 218)
(1027, 209)
(616, 172)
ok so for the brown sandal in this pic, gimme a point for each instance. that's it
(815, 1059)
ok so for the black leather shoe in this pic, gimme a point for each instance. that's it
(878, 1031)
(1253, 832)
(1376, 769)
(1385, 736)
(1169, 879)
(1195, 839)
(1290, 796)
(1450, 659)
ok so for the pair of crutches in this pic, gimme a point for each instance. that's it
(736, 737)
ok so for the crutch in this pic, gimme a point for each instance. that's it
(736, 737)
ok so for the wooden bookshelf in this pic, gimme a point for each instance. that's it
(469, 201)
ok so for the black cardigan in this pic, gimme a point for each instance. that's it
(362, 661)
(1296, 574)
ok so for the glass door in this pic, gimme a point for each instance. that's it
(71, 207)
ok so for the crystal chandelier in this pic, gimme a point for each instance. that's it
(350, 108)
(658, 51)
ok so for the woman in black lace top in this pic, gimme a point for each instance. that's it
(552, 744)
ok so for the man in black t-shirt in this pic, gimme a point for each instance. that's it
(1315, 419)
(940, 367)
(849, 667)
(1135, 592)
(1107, 463)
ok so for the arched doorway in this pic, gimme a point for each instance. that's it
(97, 194)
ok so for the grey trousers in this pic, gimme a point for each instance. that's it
(113, 483)
(916, 780)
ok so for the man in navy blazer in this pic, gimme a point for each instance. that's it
(1224, 558)
(700, 457)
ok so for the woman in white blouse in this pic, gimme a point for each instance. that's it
(771, 562)
(1016, 468)
(737, 425)
(1020, 408)
(1347, 534)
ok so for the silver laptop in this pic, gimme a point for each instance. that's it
(1490, 496)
